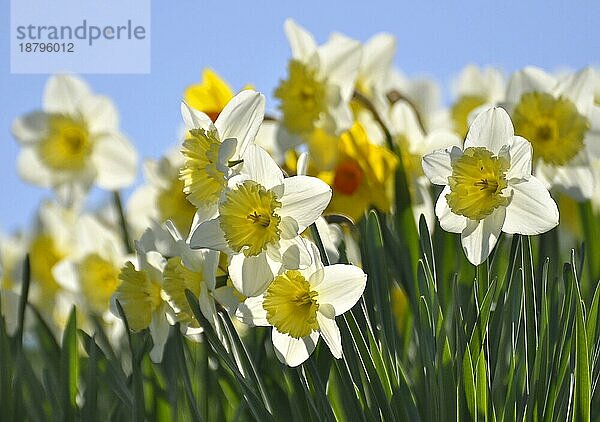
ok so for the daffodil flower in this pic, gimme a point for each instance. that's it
(213, 151)
(210, 96)
(320, 82)
(489, 187)
(301, 305)
(260, 216)
(74, 140)
(562, 122)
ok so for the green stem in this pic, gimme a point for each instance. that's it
(123, 222)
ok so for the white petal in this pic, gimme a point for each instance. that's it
(340, 58)
(331, 334)
(302, 43)
(292, 351)
(520, 158)
(260, 167)
(159, 330)
(437, 166)
(210, 236)
(30, 128)
(100, 114)
(576, 181)
(304, 199)
(66, 274)
(528, 79)
(491, 129)
(251, 312)
(531, 210)
(592, 138)
(479, 237)
(295, 253)
(449, 221)
(251, 275)
(341, 286)
(63, 93)
(579, 88)
(32, 170)
(302, 164)
(241, 118)
(115, 160)
(377, 57)
(194, 119)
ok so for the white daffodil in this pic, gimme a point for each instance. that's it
(560, 119)
(320, 83)
(489, 187)
(301, 305)
(212, 151)
(74, 140)
(414, 144)
(12, 255)
(475, 88)
(141, 295)
(260, 216)
(91, 272)
(161, 198)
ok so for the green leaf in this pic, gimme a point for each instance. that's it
(69, 365)
(469, 383)
(582, 394)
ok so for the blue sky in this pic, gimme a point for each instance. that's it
(245, 43)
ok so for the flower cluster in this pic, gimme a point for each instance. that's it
(227, 213)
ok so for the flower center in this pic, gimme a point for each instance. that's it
(67, 146)
(248, 218)
(99, 280)
(44, 255)
(177, 278)
(173, 205)
(291, 305)
(139, 296)
(476, 185)
(303, 98)
(348, 177)
(553, 126)
(460, 112)
(202, 179)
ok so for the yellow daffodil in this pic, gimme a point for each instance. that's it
(362, 176)
(210, 96)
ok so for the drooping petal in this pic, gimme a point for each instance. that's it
(159, 330)
(30, 128)
(491, 129)
(63, 93)
(251, 275)
(260, 167)
(115, 160)
(241, 118)
(437, 166)
(194, 119)
(480, 236)
(302, 43)
(341, 286)
(292, 351)
(531, 209)
(331, 334)
(304, 199)
(449, 221)
(251, 312)
(208, 234)
(520, 158)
